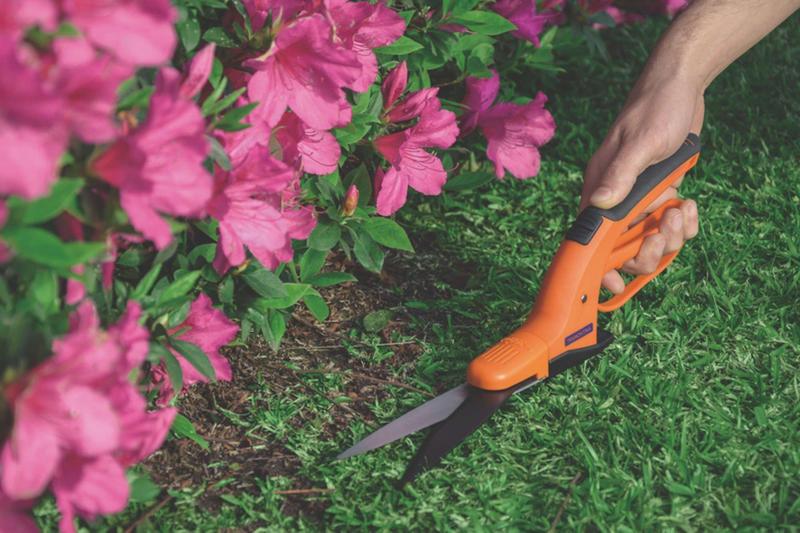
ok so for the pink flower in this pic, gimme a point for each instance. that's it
(15, 516)
(18, 15)
(256, 206)
(305, 70)
(281, 10)
(198, 71)
(88, 83)
(309, 150)
(479, 97)
(79, 421)
(209, 329)
(158, 168)
(522, 13)
(138, 32)
(394, 85)
(411, 164)
(238, 144)
(361, 27)
(32, 134)
(514, 131)
(88, 488)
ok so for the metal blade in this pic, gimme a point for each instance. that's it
(474, 411)
(425, 415)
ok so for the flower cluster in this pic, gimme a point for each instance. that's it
(79, 421)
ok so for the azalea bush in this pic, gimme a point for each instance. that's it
(175, 175)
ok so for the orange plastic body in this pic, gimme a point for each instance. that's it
(564, 316)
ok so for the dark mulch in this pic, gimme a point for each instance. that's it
(234, 459)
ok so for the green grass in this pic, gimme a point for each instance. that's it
(690, 421)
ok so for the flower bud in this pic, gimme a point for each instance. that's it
(350, 201)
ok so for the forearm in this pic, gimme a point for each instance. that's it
(712, 34)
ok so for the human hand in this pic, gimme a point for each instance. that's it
(655, 120)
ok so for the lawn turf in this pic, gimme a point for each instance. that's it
(690, 421)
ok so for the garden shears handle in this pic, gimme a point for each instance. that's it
(561, 329)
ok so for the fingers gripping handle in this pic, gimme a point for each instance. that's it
(625, 243)
(653, 181)
(628, 246)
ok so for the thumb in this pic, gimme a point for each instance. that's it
(618, 178)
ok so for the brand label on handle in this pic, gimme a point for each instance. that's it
(572, 337)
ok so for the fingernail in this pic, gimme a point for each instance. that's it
(676, 222)
(601, 195)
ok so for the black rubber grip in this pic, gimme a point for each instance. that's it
(590, 218)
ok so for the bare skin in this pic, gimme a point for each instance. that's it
(665, 105)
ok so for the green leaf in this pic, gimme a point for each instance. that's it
(61, 196)
(225, 290)
(353, 132)
(44, 290)
(484, 22)
(145, 284)
(206, 251)
(401, 47)
(218, 153)
(189, 32)
(178, 312)
(232, 119)
(174, 370)
(316, 304)
(311, 263)
(480, 59)
(389, 233)
(211, 99)
(219, 36)
(368, 253)
(468, 180)
(325, 236)
(272, 325)
(182, 427)
(195, 356)
(264, 283)
(40, 246)
(138, 98)
(143, 489)
(328, 279)
(294, 292)
(377, 320)
(226, 102)
(182, 285)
